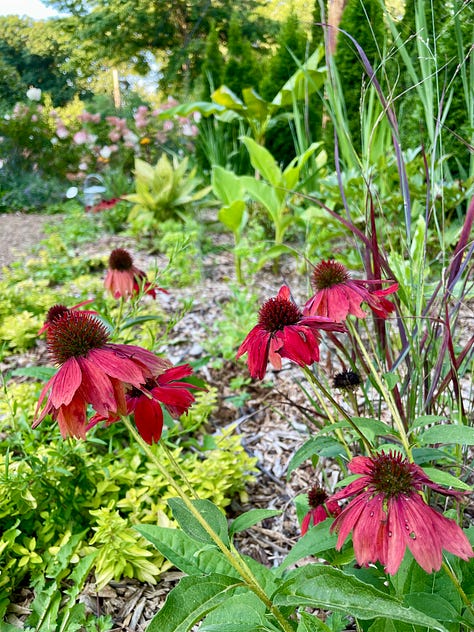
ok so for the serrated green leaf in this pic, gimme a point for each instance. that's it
(319, 586)
(315, 541)
(322, 446)
(446, 479)
(448, 433)
(191, 525)
(249, 518)
(241, 612)
(190, 601)
(311, 623)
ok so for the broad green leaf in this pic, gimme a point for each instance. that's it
(319, 586)
(425, 455)
(320, 445)
(190, 601)
(424, 420)
(448, 433)
(257, 107)
(265, 194)
(434, 605)
(444, 478)
(192, 526)
(233, 215)
(226, 185)
(263, 162)
(180, 549)
(306, 80)
(225, 97)
(273, 253)
(311, 623)
(249, 518)
(43, 373)
(391, 380)
(315, 541)
(242, 611)
(370, 427)
(205, 108)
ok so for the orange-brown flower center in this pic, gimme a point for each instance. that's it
(392, 475)
(74, 334)
(277, 313)
(120, 259)
(328, 273)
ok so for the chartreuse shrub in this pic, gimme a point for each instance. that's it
(68, 508)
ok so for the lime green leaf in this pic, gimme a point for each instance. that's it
(233, 215)
(263, 161)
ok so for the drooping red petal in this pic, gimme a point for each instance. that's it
(96, 388)
(369, 533)
(345, 521)
(65, 383)
(256, 345)
(72, 419)
(116, 366)
(177, 400)
(148, 361)
(148, 419)
(175, 373)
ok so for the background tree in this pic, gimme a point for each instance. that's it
(212, 69)
(364, 21)
(241, 69)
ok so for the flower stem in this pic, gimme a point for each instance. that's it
(232, 556)
(385, 392)
(316, 383)
(447, 569)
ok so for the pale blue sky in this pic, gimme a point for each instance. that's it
(32, 8)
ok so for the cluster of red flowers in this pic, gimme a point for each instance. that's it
(388, 513)
(115, 379)
(103, 205)
(285, 331)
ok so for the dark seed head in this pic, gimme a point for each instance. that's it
(277, 313)
(74, 334)
(327, 274)
(120, 259)
(55, 312)
(392, 475)
(347, 380)
(316, 497)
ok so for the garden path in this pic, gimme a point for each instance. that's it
(19, 233)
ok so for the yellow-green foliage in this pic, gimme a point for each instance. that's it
(19, 331)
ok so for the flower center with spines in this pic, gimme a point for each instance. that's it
(327, 274)
(392, 475)
(277, 313)
(316, 497)
(73, 335)
(120, 259)
(55, 312)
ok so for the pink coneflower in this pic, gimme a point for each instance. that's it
(321, 507)
(92, 371)
(123, 279)
(337, 295)
(145, 402)
(283, 332)
(388, 514)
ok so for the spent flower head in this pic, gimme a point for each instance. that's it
(321, 507)
(124, 279)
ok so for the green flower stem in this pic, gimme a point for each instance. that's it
(338, 431)
(467, 602)
(178, 469)
(317, 385)
(233, 558)
(385, 392)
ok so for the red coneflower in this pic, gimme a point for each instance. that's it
(123, 279)
(321, 507)
(337, 295)
(388, 514)
(284, 332)
(145, 402)
(92, 371)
